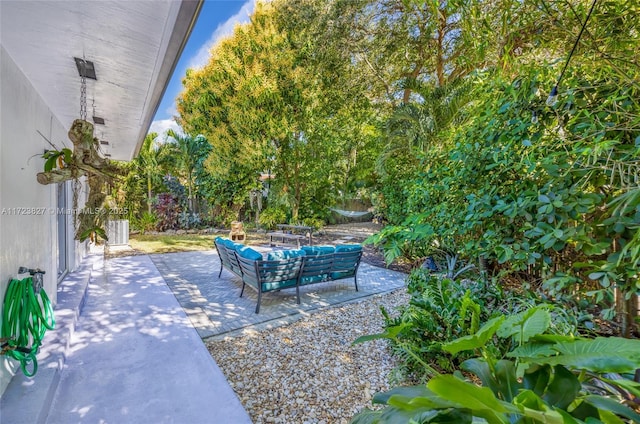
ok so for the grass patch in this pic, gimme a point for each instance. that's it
(171, 243)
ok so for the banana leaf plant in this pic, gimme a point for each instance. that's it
(545, 379)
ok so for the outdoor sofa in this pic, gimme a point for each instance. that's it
(282, 269)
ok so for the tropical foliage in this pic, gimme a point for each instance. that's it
(438, 114)
(543, 379)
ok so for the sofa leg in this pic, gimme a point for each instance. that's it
(298, 293)
(242, 291)
(220, 273)
(258, 305)
(355, 280)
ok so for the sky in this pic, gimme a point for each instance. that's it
(216, 20)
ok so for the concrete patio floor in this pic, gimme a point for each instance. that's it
(128, 347)
(216, 310)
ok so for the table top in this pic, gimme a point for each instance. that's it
(294, 227)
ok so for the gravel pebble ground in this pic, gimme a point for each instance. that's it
(308, 372)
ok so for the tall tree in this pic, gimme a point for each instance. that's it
(271, 97)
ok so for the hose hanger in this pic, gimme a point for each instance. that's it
(37, 275)
(26, 316)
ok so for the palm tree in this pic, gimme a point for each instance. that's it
(149, 163)
(415, 127)
(190, 152)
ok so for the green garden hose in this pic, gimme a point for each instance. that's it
(25, 319)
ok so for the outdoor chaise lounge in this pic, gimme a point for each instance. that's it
(288, 268)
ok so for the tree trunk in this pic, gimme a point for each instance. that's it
(149, 193)
(190, 199)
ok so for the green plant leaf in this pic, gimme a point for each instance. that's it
(389, 333)
(532, 350)
(503, 383)
(612, 405)
(526, 325)
(413, 397)
(101, 233)
(568, 418)
(68, 154)
(392, 415)
(480, 368)
(609, 417)
(50, 163)
(563, 388)
(477, 340)
(537, 378)
(552, 338)
(444, 416)
(480, 400)
(601, 355)
(533, 406)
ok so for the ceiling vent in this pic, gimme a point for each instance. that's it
(98, 120)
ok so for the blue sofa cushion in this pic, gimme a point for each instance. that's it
(342, 274)
(249, 253)
(285, 254)
(348, 248)
(278, 285)
(227, 243)
(313, 279)
(318, 250)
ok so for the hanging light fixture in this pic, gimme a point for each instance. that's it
(553, 96)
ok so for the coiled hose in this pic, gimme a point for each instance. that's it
(25, 319)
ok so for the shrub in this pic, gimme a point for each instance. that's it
(167, 211)
(544, 378)
(147, 222)
(442, 309)
(315, 223)
(188, 220)
(439, 310)
(272, 216)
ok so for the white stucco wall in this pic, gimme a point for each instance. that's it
(28, 226)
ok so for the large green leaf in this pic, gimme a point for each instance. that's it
(367, 416)
(568, 418)
(532, 350)
(416, 403)
(385, 416)
(414, 397)
(480, 400)
(608, 417)
(533, 407)
(526, 324)
(563, 388)
(444, 416)
(393, 415)
(612, 405)
(601, 355)
(536, 378)
(502, 382)
(477, 340)
(552, 338)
